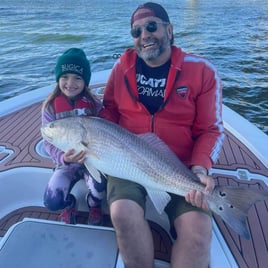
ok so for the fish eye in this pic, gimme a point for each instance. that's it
(51, 125)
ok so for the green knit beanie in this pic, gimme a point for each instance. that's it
(74, 61)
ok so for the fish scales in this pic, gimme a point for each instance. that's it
(142, 160)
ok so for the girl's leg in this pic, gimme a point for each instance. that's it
(57, 194)
(96, 193)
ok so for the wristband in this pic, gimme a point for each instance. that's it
(202, 171)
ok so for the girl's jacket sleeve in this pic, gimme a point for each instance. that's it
(55, 153)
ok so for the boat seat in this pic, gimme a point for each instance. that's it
(35, 243)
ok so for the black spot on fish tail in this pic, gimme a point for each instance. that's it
(232, 205)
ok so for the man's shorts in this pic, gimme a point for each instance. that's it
(122, 189)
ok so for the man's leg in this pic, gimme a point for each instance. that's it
(133, 233)
(192, 246)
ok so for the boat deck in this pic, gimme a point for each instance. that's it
(20, 136)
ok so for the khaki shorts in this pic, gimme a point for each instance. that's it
(123, 189)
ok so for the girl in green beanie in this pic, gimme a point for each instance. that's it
(71, 97)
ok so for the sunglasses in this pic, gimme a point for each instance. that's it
(150, 26)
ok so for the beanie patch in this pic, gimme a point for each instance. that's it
(72, 68)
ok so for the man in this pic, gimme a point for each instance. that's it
(158, 88)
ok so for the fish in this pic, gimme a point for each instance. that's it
(148, 161)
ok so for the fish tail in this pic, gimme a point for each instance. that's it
(232, 205)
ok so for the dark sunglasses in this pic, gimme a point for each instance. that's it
(150, 26)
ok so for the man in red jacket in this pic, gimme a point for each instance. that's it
(158, 88)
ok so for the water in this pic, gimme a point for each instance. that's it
(232, 34)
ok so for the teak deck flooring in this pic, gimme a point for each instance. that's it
(20, 132)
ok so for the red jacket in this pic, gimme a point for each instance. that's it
(189, 122)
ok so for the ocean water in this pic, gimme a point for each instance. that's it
(232, 34)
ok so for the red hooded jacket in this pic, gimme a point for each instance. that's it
(189, 121)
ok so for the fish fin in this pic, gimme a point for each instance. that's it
(93, 172)
(84, 146)
(154, 141)
(163, 149)
(159, 198)
(232, 205)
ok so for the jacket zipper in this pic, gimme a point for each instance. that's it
(152, 123)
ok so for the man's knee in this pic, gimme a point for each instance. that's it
(124, 213)
(195, 227)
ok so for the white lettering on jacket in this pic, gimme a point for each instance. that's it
(148, 91)
(153, 82)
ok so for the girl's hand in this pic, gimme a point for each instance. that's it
(72, 157)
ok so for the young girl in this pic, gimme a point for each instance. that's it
(71, 97)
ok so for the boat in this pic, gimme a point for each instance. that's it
(31, 236)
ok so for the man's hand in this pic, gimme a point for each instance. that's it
(196, 198)
(71, 157)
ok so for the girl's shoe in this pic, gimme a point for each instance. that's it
(95, 216)
(68, 215)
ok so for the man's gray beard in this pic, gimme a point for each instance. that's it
(150, 55)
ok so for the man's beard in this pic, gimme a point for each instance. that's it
(152, 54)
